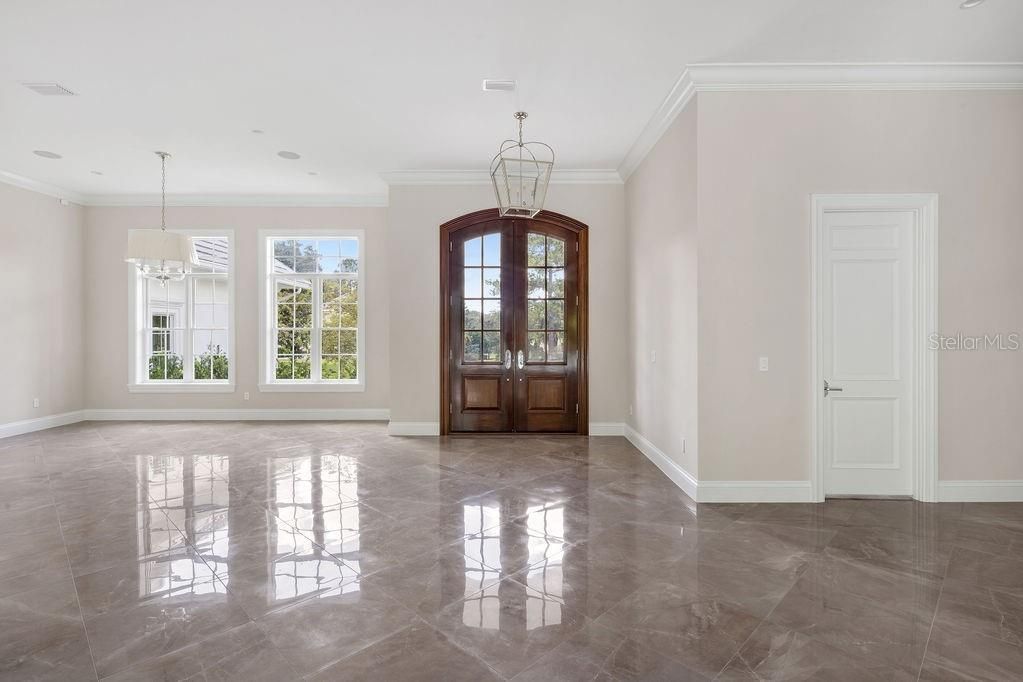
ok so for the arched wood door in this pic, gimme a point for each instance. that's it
(513, 324)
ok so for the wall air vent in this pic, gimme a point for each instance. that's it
(49, 89)
(491, 85)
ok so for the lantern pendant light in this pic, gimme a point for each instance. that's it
(521, 172)
(158, 254)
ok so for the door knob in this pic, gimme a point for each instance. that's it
(507, 359)
(828, 388)
(521, 360)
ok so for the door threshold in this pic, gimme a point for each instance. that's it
(868, 497)
(510, 434)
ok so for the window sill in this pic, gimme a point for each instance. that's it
(181, 388)
(312, 387)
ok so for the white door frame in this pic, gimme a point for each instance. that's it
(925, 318)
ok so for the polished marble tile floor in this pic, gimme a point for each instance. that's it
(283, 551)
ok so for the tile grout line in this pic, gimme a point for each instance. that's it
(934, 618)
(468, 653)
(361, 648)
(71, 573)
(763, 620)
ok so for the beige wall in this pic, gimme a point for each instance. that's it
(41, 301)
(415, 215)
(661, 211)
(106, 298)
(761, 156)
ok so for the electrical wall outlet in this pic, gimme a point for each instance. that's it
(245, 396)
(630, 410)
(763, 363)
(35, 402)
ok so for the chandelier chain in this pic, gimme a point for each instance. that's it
(163, 192)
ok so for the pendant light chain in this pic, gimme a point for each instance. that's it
(163, 191)
(166, 257)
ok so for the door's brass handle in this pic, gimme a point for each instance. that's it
(521, 360)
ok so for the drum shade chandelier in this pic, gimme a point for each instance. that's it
(158, 254)
(521, 172)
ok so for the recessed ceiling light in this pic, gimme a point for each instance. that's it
(289, 155)
(970, 4)
(313, 173)
(257, 131)
(47, 155)
(96, 172)
(492, 85)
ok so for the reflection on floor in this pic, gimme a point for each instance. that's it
(268, 551)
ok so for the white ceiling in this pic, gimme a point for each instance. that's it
(358, 88)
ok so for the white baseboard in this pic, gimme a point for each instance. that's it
(413, 428)
(39, 423)
(719, 491)
(755, 491)
(679, 476)
(238, 415)
(980, 491)
(607, 429)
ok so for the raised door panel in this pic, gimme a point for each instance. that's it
(546, 394)
(481, 392)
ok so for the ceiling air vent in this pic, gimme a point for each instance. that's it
(491, 85)
(49, 89)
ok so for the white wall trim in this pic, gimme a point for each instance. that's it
(678, 98)
(925, 316)
(568, 176)
(239, 200)
(755, 491)
(370, 414)
(607, 429)
(413, 428)
(267, 342)
(823, 76)
(138, 381)
(719, 491)
(679, 476)
(980, 491)
(858, 76)
(41, 187)
(39, 423)
(216, 200)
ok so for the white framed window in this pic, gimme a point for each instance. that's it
(182, 333)
(312, 302)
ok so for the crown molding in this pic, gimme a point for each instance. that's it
(820, 76)
(857, 76)
(240, 200)
(682, 92)
(21, 181)
(204, 200)
(482, 177)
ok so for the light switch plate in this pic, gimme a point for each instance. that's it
(763, 363)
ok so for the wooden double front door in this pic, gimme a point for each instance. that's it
(514, 319)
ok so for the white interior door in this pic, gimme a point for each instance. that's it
(866, 336)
